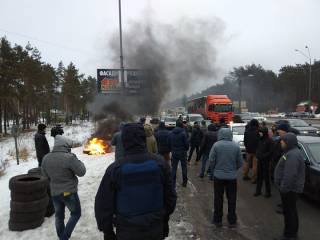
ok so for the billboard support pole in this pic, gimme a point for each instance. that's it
(121, 50)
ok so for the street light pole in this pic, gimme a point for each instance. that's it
(240, 94)
(121, 49)
(310, 70)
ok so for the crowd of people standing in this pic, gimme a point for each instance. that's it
(137, 194)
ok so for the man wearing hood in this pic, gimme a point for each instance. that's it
(264, 154)
(117, 142)
(251, 141)
(289, 177)
(210, 137)
(41, 143)
(162, 137)
(62, 168)
(138, 192)
(178, 142)
(225, 158)
(151, 140)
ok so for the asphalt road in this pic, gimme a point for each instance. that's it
(257, 219)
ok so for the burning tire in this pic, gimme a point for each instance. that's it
(28, 183)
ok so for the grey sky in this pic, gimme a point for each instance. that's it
(256, 31)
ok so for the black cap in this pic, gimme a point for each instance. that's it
(41, 127)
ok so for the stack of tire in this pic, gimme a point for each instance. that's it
(29, 201)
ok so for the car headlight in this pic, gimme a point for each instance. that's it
(305, 132)
(318, 132)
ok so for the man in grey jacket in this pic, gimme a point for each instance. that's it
(62, 168)
(225, 158)
(289, 177)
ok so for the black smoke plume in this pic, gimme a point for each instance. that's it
(177, 57)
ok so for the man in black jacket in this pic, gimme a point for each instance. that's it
(162, 137)
(207, 142)
(138, 192)
(41, 143)
(195, 141)
(179, 145)
(264, 154)
(251, 140)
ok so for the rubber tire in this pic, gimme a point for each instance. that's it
(35, 171)
(14, 226)
(27, 207)
(36, 183)
(24, 197)
(18, 217)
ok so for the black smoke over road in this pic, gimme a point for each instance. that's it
(177, 57)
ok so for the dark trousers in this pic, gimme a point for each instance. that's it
(230, 186)
(291, 218)
(175, 159)
(263, 174)
(192, 148)
(72, 202)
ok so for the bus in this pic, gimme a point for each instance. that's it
(212, 107)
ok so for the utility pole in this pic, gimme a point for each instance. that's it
(240, 94)
(121, 50)
(310, 71)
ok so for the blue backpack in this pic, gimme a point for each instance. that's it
(140, 189)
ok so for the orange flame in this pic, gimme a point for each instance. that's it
(96, 146)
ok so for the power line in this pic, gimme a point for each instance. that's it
(44, 41)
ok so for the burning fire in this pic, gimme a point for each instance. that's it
(96, 146)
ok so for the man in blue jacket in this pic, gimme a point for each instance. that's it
(138, 192)
(178, 142)
(225, 158)
(289, 177)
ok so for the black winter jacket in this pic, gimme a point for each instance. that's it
(251, 139)
(264, 150)
(196, 136)
(208, 140)
(145, 226)
(162, 137)
(178, 140)
(41, 145)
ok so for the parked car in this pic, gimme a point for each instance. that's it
(247, 117)
(238, 130)
(301, 126)
(310, 148)
(169, 122)
(194, 118)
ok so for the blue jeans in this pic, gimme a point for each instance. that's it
(176, 157)
(204, 160)
(72, 202)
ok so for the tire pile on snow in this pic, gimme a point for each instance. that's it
(29, 201)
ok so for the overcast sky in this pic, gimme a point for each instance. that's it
(264, 32)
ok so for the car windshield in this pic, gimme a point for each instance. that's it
(238, 130)
(298, 123)
(170, 119)
(220, 108)
(195, 118)
(315, 151)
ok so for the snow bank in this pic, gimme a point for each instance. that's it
(88, 186)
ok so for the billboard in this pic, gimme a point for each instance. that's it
(108, 81)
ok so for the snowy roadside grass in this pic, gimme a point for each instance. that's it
(88, 186)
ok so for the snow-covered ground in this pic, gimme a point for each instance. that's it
(88, 185)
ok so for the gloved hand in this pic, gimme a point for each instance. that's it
(110, 236)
